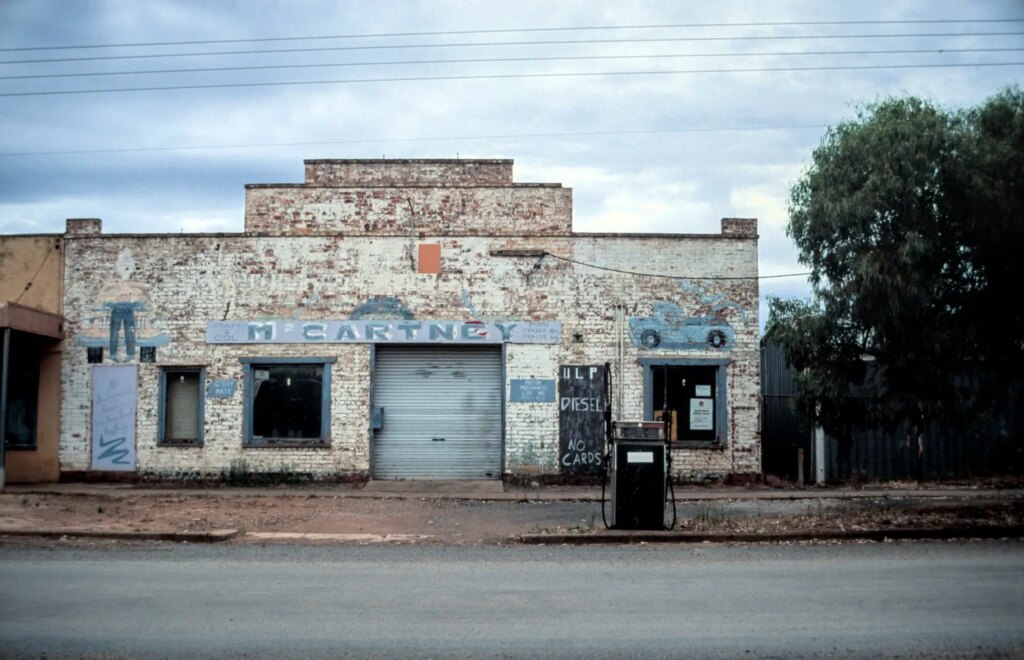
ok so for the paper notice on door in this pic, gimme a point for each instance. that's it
(702, 416)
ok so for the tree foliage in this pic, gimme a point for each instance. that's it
(911, 219)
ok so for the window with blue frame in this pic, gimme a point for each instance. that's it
(182, 397)
(690, 394)
(287, 401)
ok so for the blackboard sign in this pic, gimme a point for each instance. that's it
(581, 403)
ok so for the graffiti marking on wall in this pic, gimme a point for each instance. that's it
(114, 400)
(113, 451)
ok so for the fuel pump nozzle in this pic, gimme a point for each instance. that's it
(608, 437)
(666, 418)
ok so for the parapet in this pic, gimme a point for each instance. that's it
(83, 226)
(408, 198)
(739, 227)
(398, 173)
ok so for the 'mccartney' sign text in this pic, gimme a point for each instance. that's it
(382, 332)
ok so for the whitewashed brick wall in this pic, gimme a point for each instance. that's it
(193, 279)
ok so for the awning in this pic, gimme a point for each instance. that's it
(34, 321)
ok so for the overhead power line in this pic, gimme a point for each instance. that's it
(510, 76)
(552, 42)
(382, 35)
(416, 139)
(489, 60)
(673, 277)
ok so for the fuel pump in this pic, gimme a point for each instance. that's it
(638, 468)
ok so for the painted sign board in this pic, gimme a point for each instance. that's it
(531, 391)
(702, 416)
(114, 401)
(382, 332)
(222, 389)
(581, 402)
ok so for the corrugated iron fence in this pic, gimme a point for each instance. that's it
(991, 447)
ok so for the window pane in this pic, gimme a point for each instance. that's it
(690, 394)
(22, 392)
(181, 415)
(288, 400)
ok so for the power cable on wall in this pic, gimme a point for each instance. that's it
(946, 21)
(511, 76)
(34, 276)
(671, 277)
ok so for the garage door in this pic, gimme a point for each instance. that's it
(440, 413)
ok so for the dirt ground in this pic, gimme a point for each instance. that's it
(453, 521)
(470, 522)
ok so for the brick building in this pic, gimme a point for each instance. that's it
(406, 319)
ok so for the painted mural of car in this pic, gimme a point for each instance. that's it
(669, 327)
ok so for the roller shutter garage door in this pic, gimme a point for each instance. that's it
(441, 413)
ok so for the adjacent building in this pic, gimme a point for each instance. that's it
(406, 319)
(31, 333)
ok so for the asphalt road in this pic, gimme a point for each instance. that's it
(447, 601)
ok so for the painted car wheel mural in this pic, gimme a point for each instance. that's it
(650, 338)
(717, 339)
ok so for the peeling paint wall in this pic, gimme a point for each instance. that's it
(391, 173)
(321, 262)
(409, 198)
(30, 271)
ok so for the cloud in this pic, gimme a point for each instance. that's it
(36, 217)
(119, 216)
(763, 202)
(209, 224)
(644, 201)
(600, 132)
(667, 208)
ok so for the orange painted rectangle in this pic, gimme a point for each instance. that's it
(430, 258)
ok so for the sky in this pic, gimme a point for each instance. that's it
(661, 116)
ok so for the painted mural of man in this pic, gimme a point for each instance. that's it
(122, 315)
(124, 299)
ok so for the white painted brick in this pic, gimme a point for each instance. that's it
(313, 272)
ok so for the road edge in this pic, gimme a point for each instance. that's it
(894, 534)
(213, 536)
